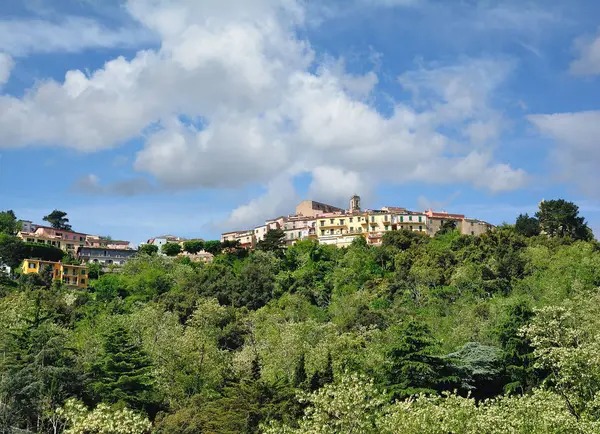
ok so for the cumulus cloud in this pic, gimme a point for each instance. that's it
(21, 37)
(576, 153)
(90, 184)
(6, 66)
(234, 97)
(588, 60)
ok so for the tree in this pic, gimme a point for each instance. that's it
(527, 226)
(12, 250)
(447, 226)
(413, 369)
(274, 241)
(300, 373)
(8, 223)
(559, 218)
(148, 249)
(171, 249)
(101, 420)
(122, 375)
(213, 246)
(193, 246)
(58, 220)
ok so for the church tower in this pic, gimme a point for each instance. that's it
(355, 203)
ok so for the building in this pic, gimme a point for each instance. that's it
(339, 228)
(246, 238)
(70, 275)
(298, 228)
(164, 239)
(311, 208)
(104, 255)
(28, 226)
(105, 242)
(476, 227)
(202, 256)
(66, 240)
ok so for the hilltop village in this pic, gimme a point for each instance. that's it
(312, 220)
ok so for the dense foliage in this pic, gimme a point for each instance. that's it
(451, 334)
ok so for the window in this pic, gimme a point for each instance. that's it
(83, 281)
(359, 230)
(420, 219)
(57, 273)
(410, 218)
(387, 228)
(331, 221)
(351, 219)
(81, 239)
(322, 232)
(386, 218)
(83, 272)
(351, 229)
(59, 234)
(67, 280)
(411, 228)
(372, 219)
(322, 222)
(472, 232)
(32, 265)
(299, 234)
(331, 231)
(420, 228)
(401, 219)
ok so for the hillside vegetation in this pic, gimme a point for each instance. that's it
(453, 334)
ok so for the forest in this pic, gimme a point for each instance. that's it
(498, 333)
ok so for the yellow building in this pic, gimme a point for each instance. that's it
(70, 275)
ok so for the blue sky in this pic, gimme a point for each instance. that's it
(194, 117)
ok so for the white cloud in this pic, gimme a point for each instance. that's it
(588, 61)
(335, 185)
(391, 3)
(279, 199)
(232, 98)
(21, 37)
(6, 66)
(576, 154)
(90, 184)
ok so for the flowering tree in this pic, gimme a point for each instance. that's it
(101, 420)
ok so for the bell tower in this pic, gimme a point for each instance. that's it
(355, 203)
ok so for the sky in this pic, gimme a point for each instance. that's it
(196, 117)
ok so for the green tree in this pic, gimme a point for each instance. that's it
(300, 373)
(559, 218)
(94, 270)
(58, 220)
(12, 250)
(519, 359)
(274, 241)
(527, 226)
(213, 246)
(122, 374)
(148, 249)
(412, 368)
(447, 226)
(8, 223)
(171, 249)
(193, 246)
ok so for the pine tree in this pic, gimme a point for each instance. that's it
(412, 367)
(123, 375)
(300, 373)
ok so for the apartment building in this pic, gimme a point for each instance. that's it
(246, 238)
(311, 208)
(105, 242)
(70, 275)
(298, 228)
(104, 255)
(466, 226)
(66, 240)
